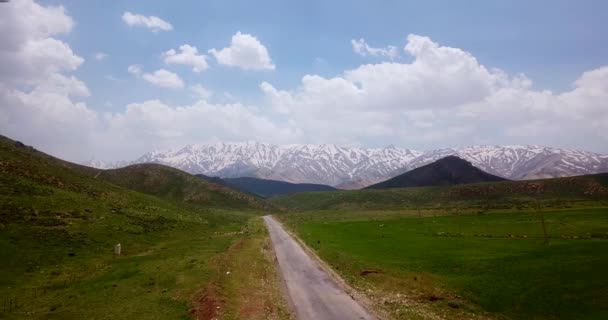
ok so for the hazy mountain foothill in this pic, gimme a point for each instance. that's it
(266, 188)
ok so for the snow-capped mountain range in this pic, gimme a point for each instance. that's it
(351, 167)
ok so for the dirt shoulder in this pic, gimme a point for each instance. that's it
(247, 285)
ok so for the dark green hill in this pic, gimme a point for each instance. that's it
(268, 188)
(153, 179)
(217, 180)
(170, 183)
(447, 171)
(557, 192)
(60, 222)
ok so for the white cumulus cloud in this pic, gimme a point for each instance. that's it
(165, 79)
(134, 69)
(444, 97)
(362, 48)
(100, 56)
(29, 52)
(37, 96)
(150, 124)
(245, 52)
(201, 92)
(153, 23)
(281, 101)
(188, 55)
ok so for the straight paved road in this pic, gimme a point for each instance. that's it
(313, 293)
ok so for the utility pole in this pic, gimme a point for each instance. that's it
(541, 213)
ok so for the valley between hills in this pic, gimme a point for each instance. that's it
(446, 239)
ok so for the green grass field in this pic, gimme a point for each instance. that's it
(194, 249)
(489, 265)
(58, 259)
(59, 223)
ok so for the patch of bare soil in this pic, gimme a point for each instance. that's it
(208, 303)
(370, 271)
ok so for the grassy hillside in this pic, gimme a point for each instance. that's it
(468, 266)
(173, 184)
(59, 223)
(466, 251)
(559, 192)
(446, 171)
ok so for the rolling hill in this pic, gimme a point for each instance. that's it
(173, 184)
(450, 170)
(557, 192)
(60, 223)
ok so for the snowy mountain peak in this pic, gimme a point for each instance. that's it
(334, 165)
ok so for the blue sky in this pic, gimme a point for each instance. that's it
(553, 43)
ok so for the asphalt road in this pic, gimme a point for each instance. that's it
(313, 293)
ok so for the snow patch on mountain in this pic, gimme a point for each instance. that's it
(351, 166)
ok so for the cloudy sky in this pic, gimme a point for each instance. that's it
(111, 80)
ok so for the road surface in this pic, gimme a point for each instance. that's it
(313, 293)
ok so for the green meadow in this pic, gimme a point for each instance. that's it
(182, 242)
(413, 264)
(195, 249)
(570, 192)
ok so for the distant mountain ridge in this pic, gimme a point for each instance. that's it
(352, 167)
(450, 170)
(267, 188)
